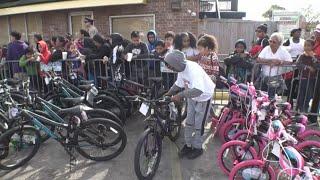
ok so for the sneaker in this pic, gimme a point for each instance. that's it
(195, 153)
(184, 151)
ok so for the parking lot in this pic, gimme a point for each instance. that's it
(52, 162)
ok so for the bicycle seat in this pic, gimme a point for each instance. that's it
(84, 82)
(76, 110)
(73, 101)
(14, 82)
(85, 87)
(155, 79)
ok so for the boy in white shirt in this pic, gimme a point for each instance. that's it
(198, 89)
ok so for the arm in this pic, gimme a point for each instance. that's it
(174, 90)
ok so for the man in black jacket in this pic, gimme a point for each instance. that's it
(102, 51)
(138, 50)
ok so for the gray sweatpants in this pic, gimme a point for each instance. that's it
(196, 118)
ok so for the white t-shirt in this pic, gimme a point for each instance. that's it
(195, 77)
(281, 54)
(190, 52)
(295, 49)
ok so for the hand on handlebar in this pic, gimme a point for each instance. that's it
(176, 98)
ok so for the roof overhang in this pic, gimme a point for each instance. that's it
(68, 4)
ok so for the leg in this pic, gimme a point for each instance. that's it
(202, 110)
(190, 122)
(188, 130)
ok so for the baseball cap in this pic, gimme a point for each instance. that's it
(88, 20)
(317, 28)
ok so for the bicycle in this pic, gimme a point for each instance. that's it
(77, 135)
(150, 143)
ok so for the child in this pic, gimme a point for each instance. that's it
(208, 47)
(75, 56)
(187, 43)
(238, 63)
(307, 67)
(30, 64)
(168, 39)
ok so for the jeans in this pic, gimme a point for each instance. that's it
(305, 94)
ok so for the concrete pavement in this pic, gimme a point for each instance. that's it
(52, 162)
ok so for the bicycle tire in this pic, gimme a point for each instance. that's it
(119, 96)
(230, 144)
(110, 104)
(105, 123)
(175, 128)
(105, 114)
(309, 133)
(250, 164)
(245, 133)
(227, 127)
(5, 140)
(140, 145)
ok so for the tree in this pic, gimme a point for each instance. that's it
(312, 18)
(268, 13)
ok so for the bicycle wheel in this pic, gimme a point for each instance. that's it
(309, 135)
(175, 128)
(19, 145)
(149, 147)
(252, 169)
(105, 114)
(310, 151)
(229, 129)
(120, 96)
(242, 135)
(100, 139)
(234, 152)
(108, 103)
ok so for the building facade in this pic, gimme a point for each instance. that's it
(111, 16)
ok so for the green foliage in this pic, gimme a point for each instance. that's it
(268, 13)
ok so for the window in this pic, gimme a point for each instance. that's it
(4, 35)
(76, 21)
(126, 24)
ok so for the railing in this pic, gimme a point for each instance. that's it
(301, 87)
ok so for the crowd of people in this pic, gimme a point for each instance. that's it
(271, 52)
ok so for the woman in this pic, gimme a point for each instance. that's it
(261, 42)
(187, 43)
(273, 55)
(295, 44)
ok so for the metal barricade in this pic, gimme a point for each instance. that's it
(293, 83)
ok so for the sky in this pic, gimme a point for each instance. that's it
(255, 8)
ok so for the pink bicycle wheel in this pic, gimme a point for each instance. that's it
(252, 169)
(234, 152)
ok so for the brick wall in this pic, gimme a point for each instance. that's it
(56, 22)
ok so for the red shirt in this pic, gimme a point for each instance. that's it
(316, 48)
(210, 64)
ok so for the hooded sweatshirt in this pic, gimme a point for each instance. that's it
(191, 76)
(16, 50)
(151, 46)
(45, 54)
